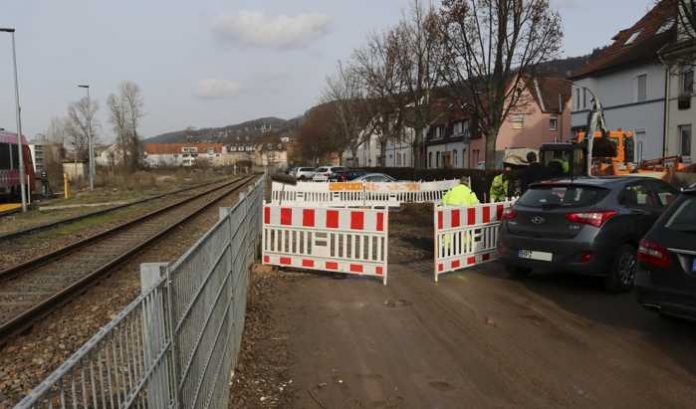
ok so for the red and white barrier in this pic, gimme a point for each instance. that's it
(350, 241)
(466, 236)
(359, 194)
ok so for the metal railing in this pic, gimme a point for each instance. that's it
(175, 346)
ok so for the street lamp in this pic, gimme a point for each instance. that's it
(19, 121)
(89, 138)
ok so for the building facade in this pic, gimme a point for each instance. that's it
(541, 115)
(680, 115)
(630, 80)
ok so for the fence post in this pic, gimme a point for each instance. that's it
(155, 337)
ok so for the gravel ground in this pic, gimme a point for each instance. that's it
(30, 246)
(27, 360)
(261, 378)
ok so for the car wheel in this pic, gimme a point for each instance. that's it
(622, 276)
(517, 271)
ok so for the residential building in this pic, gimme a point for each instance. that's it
(38, 157)
(541, 115)
(262, 154)
(109, 156)
(680, 115)
(399, 154)
(181, 154)
(629, 80)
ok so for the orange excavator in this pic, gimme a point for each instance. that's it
(609, 153)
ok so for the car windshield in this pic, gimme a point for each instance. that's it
(562, 196)
(684, 218)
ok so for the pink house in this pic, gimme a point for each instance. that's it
(543, 115)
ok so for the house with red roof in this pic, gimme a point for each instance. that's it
(541, 115)
(630, 80)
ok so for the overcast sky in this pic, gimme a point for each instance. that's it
(213, 62)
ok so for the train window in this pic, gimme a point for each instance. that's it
(5, 156)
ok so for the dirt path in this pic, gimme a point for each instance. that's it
(476, 339)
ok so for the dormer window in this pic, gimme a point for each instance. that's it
(632, 38)
(666, 26)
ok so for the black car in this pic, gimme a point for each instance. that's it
(346, 175)
(589, 226)
(666, 280)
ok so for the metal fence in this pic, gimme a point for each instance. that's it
(176, 345)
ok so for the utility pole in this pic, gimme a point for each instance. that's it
(90, 142)
(23, 188)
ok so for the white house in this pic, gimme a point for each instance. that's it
(680, 115)
(630, 80)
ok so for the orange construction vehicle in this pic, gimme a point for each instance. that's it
(609, 153)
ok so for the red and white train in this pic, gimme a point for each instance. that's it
(9, 166)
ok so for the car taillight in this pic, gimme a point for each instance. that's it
(596, 219)
(509, 214)
(653, 254)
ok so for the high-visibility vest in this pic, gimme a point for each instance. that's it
(499, 189)
(460, 195)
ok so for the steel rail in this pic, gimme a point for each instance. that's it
(28, 317)
(68, 220)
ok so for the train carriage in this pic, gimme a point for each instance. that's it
(9, 166)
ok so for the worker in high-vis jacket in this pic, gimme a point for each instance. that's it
(500, 187)
(460, 195)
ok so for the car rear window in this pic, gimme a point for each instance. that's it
(562, 196)
(306, 169)
(684, 218)
(319, 170)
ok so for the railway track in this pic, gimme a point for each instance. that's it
(68, 220)
(31, 290)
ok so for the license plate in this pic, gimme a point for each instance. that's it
(535, 255)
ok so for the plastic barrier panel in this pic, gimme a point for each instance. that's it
(360, 194)
(350, 241)
(466, 236)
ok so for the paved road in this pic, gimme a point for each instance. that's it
(478, 340)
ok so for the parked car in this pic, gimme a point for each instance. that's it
(666, 279)
(303, 173)
(322, 174)
(589, 226)
(346, 175)
(375, 177)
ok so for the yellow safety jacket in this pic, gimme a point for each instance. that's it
(499, 189)
(460, 195)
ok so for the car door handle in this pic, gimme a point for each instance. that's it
(640, 212)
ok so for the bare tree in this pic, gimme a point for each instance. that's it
(117, 118)
(133, 99)
(377, 65)
(56, 132)
(493, 47)
(345, 95)
(420, 56)
(125, 112)
(81, 123)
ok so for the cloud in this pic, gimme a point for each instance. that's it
(256, 29)
(212, 88)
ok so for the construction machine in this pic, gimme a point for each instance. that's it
(608, 153)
